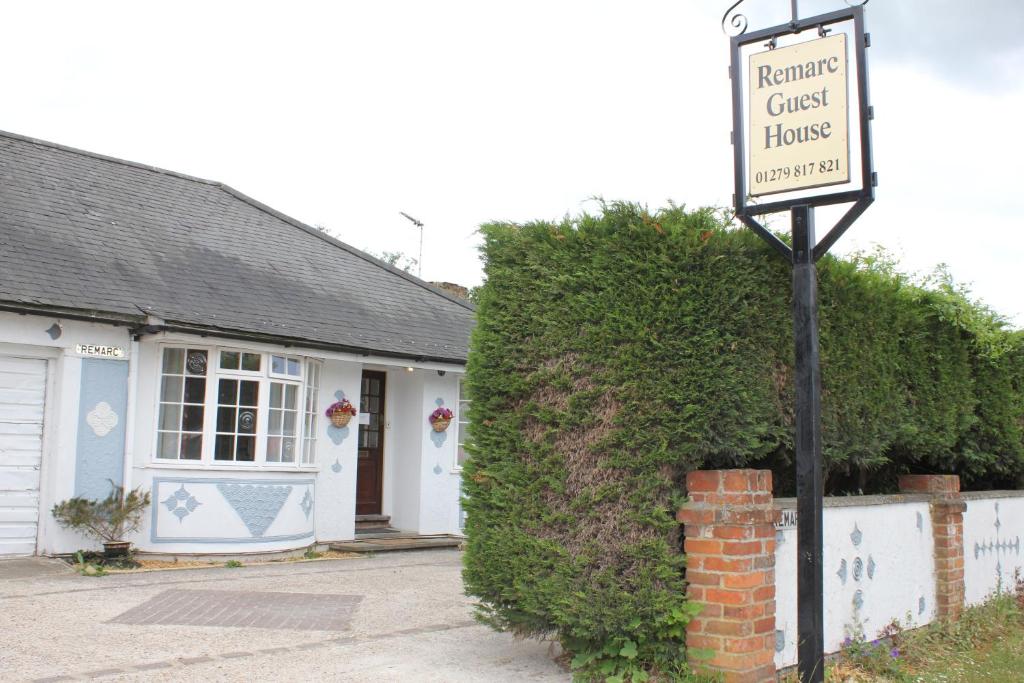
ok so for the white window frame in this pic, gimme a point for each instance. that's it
(214, 373)
(459, 401)
(217, 350)
(313, 369)
(279, 375)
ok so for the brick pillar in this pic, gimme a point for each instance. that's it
(730, 569)
(947, 512)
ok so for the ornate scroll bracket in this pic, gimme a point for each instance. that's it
(735, 23)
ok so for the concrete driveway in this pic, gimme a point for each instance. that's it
(393, 617)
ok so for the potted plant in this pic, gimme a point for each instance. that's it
(440, 419)
(341, 412)
(108, 520)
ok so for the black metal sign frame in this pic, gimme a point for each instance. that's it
(861, 198)
(803, 254)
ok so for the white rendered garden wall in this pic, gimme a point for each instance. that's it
(993, 531)
(879, 566)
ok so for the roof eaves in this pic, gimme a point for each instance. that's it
(68, 313)
(225, 333)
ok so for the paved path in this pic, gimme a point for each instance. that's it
(395, 617)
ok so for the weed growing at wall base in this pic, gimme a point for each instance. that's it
(985, 646)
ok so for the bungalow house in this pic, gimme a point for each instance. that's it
(168, 332)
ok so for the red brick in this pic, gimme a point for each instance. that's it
(729, 628)
(735, 499)
(703, 578)
(739, 481)
(698, 545)
(929, 483)
(711, 611)
(725, 597)
(748, 515)
(738, 661)
(752, 644)
(732, 531)
(731, 571)
(751, 580)
(742, 547)
(703, 480)
(743, 611)
(704, 641)
(727, 564)
(694, 515)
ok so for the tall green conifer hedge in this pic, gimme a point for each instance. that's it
(614, 353)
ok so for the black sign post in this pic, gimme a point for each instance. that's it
(803, 254)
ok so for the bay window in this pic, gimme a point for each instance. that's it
(223, 406)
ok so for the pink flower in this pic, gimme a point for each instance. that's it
(342, 406)
(440, 414)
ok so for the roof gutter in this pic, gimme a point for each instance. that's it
(202, 331)
(103, 317)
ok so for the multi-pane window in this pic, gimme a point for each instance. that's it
(283, 426)
(182, 404)
(285, 366)
(463, 425)
(237, 413)
(311, 412)
(227, 406)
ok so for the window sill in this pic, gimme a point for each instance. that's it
(206, 467)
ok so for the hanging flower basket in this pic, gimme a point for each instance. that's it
(440, 419)
(341, 412)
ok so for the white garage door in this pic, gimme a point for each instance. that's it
(22, 393)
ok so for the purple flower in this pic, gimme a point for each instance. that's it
(847, 641)
(894, 653)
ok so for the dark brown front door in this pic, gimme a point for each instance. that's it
(370, 470)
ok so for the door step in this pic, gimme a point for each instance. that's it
(408, 542)
(372, 522)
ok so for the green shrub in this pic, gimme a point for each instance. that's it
(614, 353)
(108, 520)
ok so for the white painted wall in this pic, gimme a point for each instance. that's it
(993, 533)
(403, 448)
(440, 481)
(894, 578)
(336, 455)
(26, 336)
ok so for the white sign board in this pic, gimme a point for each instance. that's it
(99, 350)
(799, 122)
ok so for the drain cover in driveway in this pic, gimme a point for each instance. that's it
(292, 611)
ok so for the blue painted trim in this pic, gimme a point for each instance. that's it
(224, 480)
(265, 539)
(99, 460)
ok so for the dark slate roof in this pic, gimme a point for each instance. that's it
(107, 239)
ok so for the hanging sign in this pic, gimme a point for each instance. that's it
(799, 122)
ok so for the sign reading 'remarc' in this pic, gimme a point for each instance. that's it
(100, 350)
(799, 126)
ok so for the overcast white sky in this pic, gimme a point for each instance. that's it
(345, 113)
